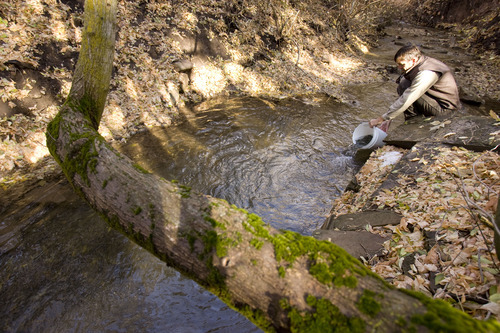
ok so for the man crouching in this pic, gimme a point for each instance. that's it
(426, 87)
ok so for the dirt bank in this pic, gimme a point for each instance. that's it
(477, 20)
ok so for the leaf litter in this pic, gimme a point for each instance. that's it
(446, 226)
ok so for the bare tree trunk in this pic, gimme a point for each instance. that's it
(282, 281)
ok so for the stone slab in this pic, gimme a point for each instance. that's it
(471, 132)
(356, 243)
(412, 131)
(359, 220)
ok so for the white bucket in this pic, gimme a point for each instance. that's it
(363, 130)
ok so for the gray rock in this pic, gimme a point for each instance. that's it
(471, 132)
(183, 65)
(356, 243)
(184, 82)
(174, 94)
(469, 98)
(358, 221)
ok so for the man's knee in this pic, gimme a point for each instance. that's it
(427, 106)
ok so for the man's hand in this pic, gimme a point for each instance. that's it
(376, 121)
(385, 125)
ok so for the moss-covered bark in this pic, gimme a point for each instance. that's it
(281, 280)
(88, 93)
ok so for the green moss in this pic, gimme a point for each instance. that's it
(321, 272)
(256, 226)
(104, 184)
(83, 159)
(213, 240)
(281, 271)
(152, 215)
(367, 303)
(330, 264)
(139, 168)
(325, 317)
(401, 322)
(254, 262)
(256, 243)
(213, 222)
(137, 210)
(210, 241)
(442, 317)
(257, 317)
(220, 243)
(88, 107)
(52, 134)
(184, 191)
(215, 279)
(191, 239)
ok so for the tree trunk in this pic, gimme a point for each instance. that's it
(280, 280)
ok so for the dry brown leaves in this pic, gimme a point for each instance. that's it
(446, 226)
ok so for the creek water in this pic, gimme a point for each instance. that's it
(63, 270)
(285, 161)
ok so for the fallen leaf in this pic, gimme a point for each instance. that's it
(495, 298)
(433, 128)
(439, 278)
(494, 115)
(492, 307)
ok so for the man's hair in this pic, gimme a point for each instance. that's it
(408, 52)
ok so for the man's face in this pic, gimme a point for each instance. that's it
(405, 64)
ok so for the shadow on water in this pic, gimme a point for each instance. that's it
(285, 161)
(63, 269)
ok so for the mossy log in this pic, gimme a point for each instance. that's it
(280, 280)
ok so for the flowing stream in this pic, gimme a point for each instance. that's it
(285, 161)
(62, 269)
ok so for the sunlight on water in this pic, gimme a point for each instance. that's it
(285, 161)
